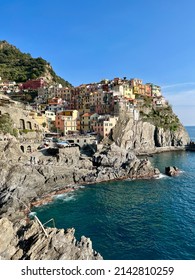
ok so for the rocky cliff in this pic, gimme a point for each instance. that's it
(21, 179)
(29, 242)
(157, 129)
(23, 184)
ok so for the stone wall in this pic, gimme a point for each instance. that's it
(20, 117)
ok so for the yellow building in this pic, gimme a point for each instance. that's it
(85, 122)
(128, 92)
(70, 118)
(39, 118)
(136, 90)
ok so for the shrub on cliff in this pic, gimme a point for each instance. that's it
(162, 117)
(6, 125)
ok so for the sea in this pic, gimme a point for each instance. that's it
(135, 219)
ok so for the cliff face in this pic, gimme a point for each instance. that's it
(29, 242)
(23, 183)
(147, 136)
(20, 179)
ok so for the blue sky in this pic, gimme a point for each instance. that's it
(86, 41)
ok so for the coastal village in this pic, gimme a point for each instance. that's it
(55, 138)
(88, 109)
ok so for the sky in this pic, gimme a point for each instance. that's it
(86, 41)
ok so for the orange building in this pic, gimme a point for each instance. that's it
(67, 121)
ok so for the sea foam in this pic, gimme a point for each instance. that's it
(162, 176)
(32, 214)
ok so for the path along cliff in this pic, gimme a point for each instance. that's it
(23, 184)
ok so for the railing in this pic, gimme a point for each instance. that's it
(35, 216)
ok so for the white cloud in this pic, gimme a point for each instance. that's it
(178, 85)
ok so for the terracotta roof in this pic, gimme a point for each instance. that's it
(87, 115)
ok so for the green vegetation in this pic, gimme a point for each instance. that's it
(6, 125)
(162, 117)
(20, 67)
(44, 124)
(25, 131)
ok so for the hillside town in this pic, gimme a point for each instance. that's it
(86, 109)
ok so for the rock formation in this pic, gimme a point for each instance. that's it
(29, 181)
(171, 171)
(144, 136)
(23, 183)
(29, 242)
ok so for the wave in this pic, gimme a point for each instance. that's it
(162, 176)
(65, 197)
(78, 187)
(32, 214)
(81, 187)
(59, 196)
(68, 198)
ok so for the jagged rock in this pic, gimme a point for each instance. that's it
(22, 183)
(171, 171)
(8, 239)
(20, 180)
(145, 137)
(114, 162)
(31, 243)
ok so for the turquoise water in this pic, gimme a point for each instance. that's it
(142, 219)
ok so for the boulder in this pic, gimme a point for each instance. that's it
(171, 171)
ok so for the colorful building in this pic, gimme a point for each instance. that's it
(56, 104)
(67, 121)
(104, 124)
(135, 82)
(50, 118)
(155, 90)
(85, 122)
(33, 84)
(40, 118)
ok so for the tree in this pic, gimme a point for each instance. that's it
(6, 124)
(44, 124)
(28, 97)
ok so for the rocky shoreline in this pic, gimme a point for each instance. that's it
(25, 185)
(158, 150)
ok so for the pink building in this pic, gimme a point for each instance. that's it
(33, 84)
(104, 124)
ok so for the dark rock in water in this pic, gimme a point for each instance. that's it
(171, 170)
